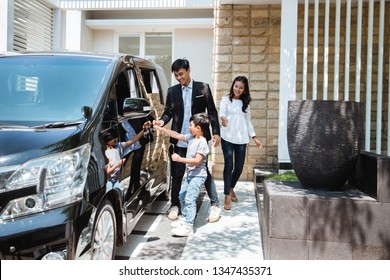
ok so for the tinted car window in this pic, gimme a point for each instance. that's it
(46, 89)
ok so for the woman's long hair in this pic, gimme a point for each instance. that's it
(245, 96)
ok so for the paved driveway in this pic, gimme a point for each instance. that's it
(236, 236)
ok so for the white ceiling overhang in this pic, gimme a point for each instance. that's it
(150, 24)
(152, 4)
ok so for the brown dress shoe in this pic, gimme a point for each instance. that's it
(227, 203)
(233, 196)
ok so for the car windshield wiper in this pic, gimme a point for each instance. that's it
(9, 125)
(57, 124)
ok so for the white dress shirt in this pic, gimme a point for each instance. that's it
(187, 102)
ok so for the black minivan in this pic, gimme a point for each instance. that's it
(55, 107)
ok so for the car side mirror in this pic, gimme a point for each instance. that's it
(87, 112)
(134, 108)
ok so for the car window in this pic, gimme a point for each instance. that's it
(151, 83)
(122, 88)
(49, 89)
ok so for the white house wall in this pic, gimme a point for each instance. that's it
(73, 30)
(194, 44)
(103, 41)
(87, 35)
(197, 46)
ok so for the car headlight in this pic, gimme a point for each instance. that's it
(60, 180)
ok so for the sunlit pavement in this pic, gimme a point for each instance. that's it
(235, 236)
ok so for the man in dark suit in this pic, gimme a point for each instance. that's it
(185, 99)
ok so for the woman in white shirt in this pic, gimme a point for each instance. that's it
(236, 129)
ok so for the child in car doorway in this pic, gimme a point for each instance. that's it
(114, 154)
(196, 172)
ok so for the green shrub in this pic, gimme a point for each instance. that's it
(288, 176)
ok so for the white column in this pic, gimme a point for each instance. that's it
(347, 51)
(337, 53)
(358, 51)
(6, 12)
(326, 51)
(305, 50)
(73, 30)
(59, 29)
(288, 62)
(315, 49)
(369, 76)
(380, 79)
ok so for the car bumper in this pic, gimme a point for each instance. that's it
(57, 230)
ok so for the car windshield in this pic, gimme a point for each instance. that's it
(44, 89)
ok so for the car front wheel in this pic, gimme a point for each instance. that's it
(104, 233)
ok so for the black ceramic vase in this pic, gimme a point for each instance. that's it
(324, 139)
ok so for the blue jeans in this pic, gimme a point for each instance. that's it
(188, 195)
(178, 170)
(113, 185)
(234, 156)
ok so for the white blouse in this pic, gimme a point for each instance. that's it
(239, 127)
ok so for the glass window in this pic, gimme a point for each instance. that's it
(158, 47)
(130, 44)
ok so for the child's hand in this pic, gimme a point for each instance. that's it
(175, 157)
(147, 125)
(121, 162)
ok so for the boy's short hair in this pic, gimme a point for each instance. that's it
(108, 136)
(202, 120)
(180, 63)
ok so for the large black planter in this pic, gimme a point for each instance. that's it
(324, 139)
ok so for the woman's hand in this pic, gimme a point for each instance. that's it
(258, 142)
(224, 121)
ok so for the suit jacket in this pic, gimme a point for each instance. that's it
(202, 102)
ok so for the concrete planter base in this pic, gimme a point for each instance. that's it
(299, 223)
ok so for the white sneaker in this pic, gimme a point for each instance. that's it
(173, 213)
(215, 213)
(179, 222)
(183, 230)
